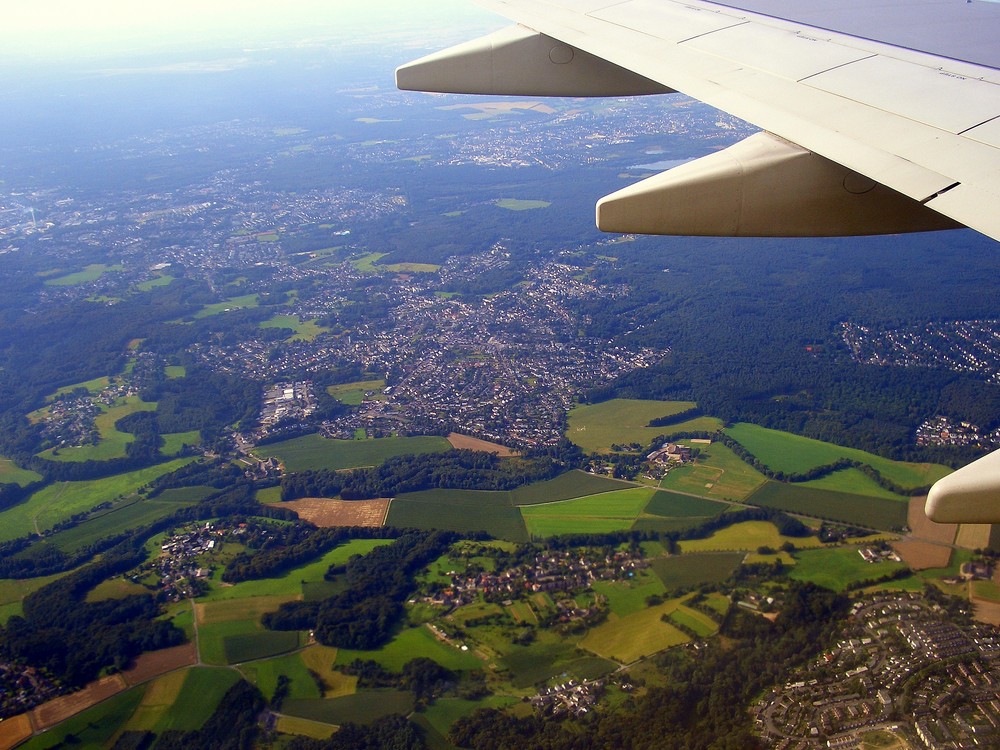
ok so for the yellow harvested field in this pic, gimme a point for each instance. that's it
(320, 659)
(14, 731)
(974, 535)
(465, 442)
(326, 513)
(305, 727)
(159, 697)
(630, 638)
(59, 709)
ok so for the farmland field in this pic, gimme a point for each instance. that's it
(459, 510)
(628, 639)
(325, 512)
(747, 536)
(112, 442)
(595, 427)
(718, 473)
(675, 505)
(92, 728)
(317, 730)
(467, 442)
(174, 442)
(60, 500)
(410, 643)
(197, 700)
(11, 473)
(697, 621)
(517, 204)
(566, 486)
(316, 452)
(233, 303)
(353, 394)
(792, 454)
(608, 511)
(871, 512)
(91, 273)
(242, 647)
(838, 567)
(680, 571)
(628, 597)
(303, 330)
(852, 481)
(361, 708)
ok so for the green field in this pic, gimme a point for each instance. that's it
(290, 583)
(173, 372)
(628, 639)
(628, 597)
(674, 505)
(353, 394)
(747, 536)
(303, 330)
(160, 280)
(853, 482)
(459, 510)
(233, 303)
(792, 454)
(112, 443)
(566, 486)
(408, 644)
(595, 427)
(361, 708)
(316, 452)
(413, 268)
(243, 647)
(697, 621)
(119, 519)
(219, 622)
(11, 473)
(871, 512)
(517, 204)
(836, 568)
(681, 571)
(60, 500)
(92, 729)
(368, 263)
(91, 273)
(174, 442)
(718, 473)
(609, 511)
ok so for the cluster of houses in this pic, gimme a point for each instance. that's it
(23, 688)
(878, 554)
(569, 698)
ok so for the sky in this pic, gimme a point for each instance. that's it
(74, 30)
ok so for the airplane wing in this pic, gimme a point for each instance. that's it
(878, 116)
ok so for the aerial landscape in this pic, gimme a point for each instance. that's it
(329, 420)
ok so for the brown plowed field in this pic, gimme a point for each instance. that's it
(922, 555)
(927, 544)
(324, 512)
(988, 612)
(155, 663)
(921, 527)
(14, 730)
(59, 709)
(475, 444)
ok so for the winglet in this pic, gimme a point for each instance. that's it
(970, 495)
(763, 186)
(517, 61)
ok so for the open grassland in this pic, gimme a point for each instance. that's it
(321, 660)
(264, 674)
(566, 486)
(290, 583)
(718, 473)
(446, 711)
(674, 505)
(595, 427)
(198, 698)
(160, 280)
(60, 500)
(302, 330)
(91, 273)
(174, 442)
(870, 512)
(93, 728)
(115, 588)
(368, 263)
(409, 643)
(517, 204)
(221, 621)
(792, 454)
(628, 639)
(160, 695)
(360, 708)
(412, 268)
(317, 452)
(547, 657)
(838, 567)
(459, 510)
(13, 590)
(681, 571)
(609, 511)
(11, 473)
(353, 394)
(233, 303)
(112, 442)
(93, 386)
(852, 481)
(746, 536)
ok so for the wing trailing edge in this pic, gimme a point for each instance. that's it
(970, 495)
